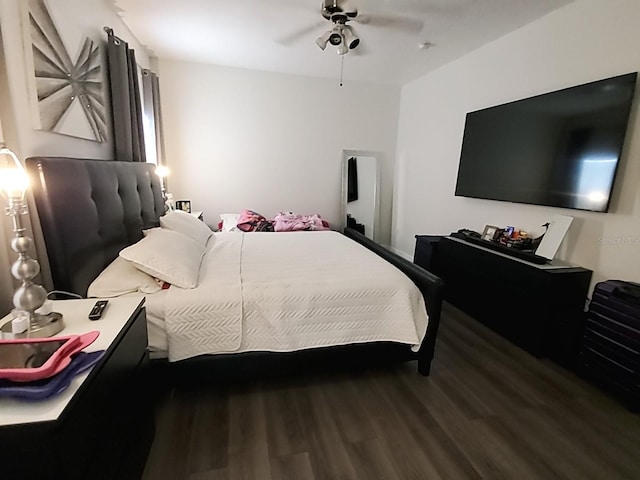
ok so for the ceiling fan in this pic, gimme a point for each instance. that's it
(341, 34)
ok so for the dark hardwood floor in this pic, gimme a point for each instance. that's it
(489, 410)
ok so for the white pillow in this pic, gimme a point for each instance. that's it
(186, 224)
(167, 255)
(122, 277)
(146, 232)
(229, 221)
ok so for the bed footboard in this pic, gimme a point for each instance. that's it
(429, 285)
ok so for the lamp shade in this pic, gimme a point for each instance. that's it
(162, 171)
(14, 180)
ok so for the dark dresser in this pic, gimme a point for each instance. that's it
(538, 307)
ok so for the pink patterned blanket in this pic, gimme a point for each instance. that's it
(290, 222)
(250, 221)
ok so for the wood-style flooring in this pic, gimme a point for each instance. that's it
(489, 410)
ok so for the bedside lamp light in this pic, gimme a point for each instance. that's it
(163, 172)
(29, 296)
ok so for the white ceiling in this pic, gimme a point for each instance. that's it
(279, 35)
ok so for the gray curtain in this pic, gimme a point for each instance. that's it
(151, 107)
(125, 100)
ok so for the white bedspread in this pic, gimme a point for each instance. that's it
(291, 291)
(208, 318)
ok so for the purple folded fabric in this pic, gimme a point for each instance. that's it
(48, 387)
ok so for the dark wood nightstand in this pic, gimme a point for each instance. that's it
(102, 426)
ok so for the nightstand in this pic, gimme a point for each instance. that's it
(101, 426)
(198, 215)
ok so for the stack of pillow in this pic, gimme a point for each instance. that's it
(168, 255)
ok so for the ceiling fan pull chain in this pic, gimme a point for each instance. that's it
(341, 68)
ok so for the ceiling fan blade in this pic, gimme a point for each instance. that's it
(411, 25)
(423, 7)
(298, 34)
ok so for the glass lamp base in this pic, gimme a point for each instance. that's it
(42, 326)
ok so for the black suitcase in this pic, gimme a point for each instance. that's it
(610, 350)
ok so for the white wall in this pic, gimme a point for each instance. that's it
(585, 41)
(239, 138)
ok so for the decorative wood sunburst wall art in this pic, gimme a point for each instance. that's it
(69, 92)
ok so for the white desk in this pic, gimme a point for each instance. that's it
(75, 312)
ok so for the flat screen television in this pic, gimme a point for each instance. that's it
(559, 149)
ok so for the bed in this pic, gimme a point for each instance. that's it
(90, 210)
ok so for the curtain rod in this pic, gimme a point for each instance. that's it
(109, 32)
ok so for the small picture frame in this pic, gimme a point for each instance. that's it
(184, 205)
(490, 232)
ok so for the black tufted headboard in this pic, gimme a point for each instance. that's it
(90, 210)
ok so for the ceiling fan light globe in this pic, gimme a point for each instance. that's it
(323, 40)
(335, 39)
(351, 39)
(343, 49)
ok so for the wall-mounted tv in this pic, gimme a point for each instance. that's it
(559, 149)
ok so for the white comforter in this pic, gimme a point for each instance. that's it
(291, 291)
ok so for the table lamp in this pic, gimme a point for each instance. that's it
(29, 296)
(163, 172)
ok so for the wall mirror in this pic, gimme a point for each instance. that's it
(361, 192)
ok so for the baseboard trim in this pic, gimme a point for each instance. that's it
(404, 255)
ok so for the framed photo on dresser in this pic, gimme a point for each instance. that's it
(490, 232)
(184, 205)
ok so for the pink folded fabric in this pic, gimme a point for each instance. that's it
(249, 220)
(290, 222)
